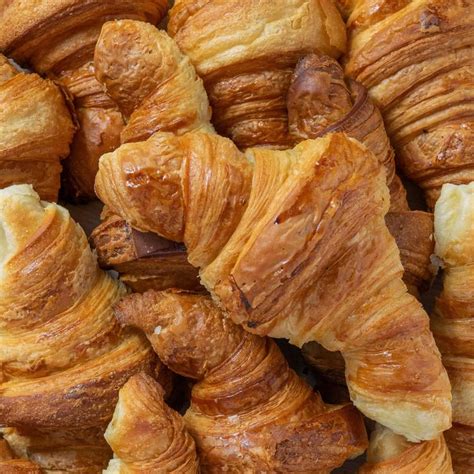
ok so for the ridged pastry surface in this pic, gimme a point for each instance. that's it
(249, 411)
(146, 435)
(293, 244)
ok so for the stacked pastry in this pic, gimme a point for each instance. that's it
(453, 319)
(249, 411)
(417, 60)
(63, 357)
(35, 131)
(57, 38)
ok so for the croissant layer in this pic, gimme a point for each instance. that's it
(249, 411)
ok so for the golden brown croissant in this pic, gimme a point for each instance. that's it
(144, 260)
(321, 100)
(246, 51)
(146, 435)
(249, 411)
(153, 83)
(63, 357)
(293, 244)
(156, 88)
(453, 319)
(57, 38)
(417, 60)
(9, 464)
(389, 453)
(35, 131)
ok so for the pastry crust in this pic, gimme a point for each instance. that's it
(293, 244)
(153, 83)
(35, 131)
(63, 357)
(57, 38)
(249, 411)
(390, 453)
(453, 320)
(146, 435)
(246, 51)
(417, 60)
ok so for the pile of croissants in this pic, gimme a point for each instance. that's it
(249, 155)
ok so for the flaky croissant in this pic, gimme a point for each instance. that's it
(417, 60)
(453, 320)
(146, 435)
(35, 131)
(156, 88)
(144, 260)
(389, 453)
(249, 411)
(293, 244)
(57, 38)
(152, 82)
(63, 357)
(246, 51)
(321, 100)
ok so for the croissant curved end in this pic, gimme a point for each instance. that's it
(454, 224)
(21, 212)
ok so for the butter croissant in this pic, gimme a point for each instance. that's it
(153, 83)
(389, 453)
(35, 131)
(157, 89)
(146, 435)
(63, 357)
(293, 244)
(453, 319)
(57, 38)
(249, 411)
(246, 52)
(417, 60)
(321, 100)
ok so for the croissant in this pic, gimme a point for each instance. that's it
(453, 319)
(320, 100)
(57, 39)
(143, 259)
(389, 453)
(35, 131)
(63, 357)
(293, 244)
(417, 60)
(10, 465)
(246, 52)
(146, 435)
(249, 411)
(155, 91)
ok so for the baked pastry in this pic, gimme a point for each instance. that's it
(321, 100)
(63, 357)
(249, 411)
(156, 88)
(389, 453)
(146, 435)
(293, 244)
(152, 82)
(246, 52)
(35, 131)
(9, 464)
(57, 38)
(417, 60)
(453, 320)
(144, 260)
